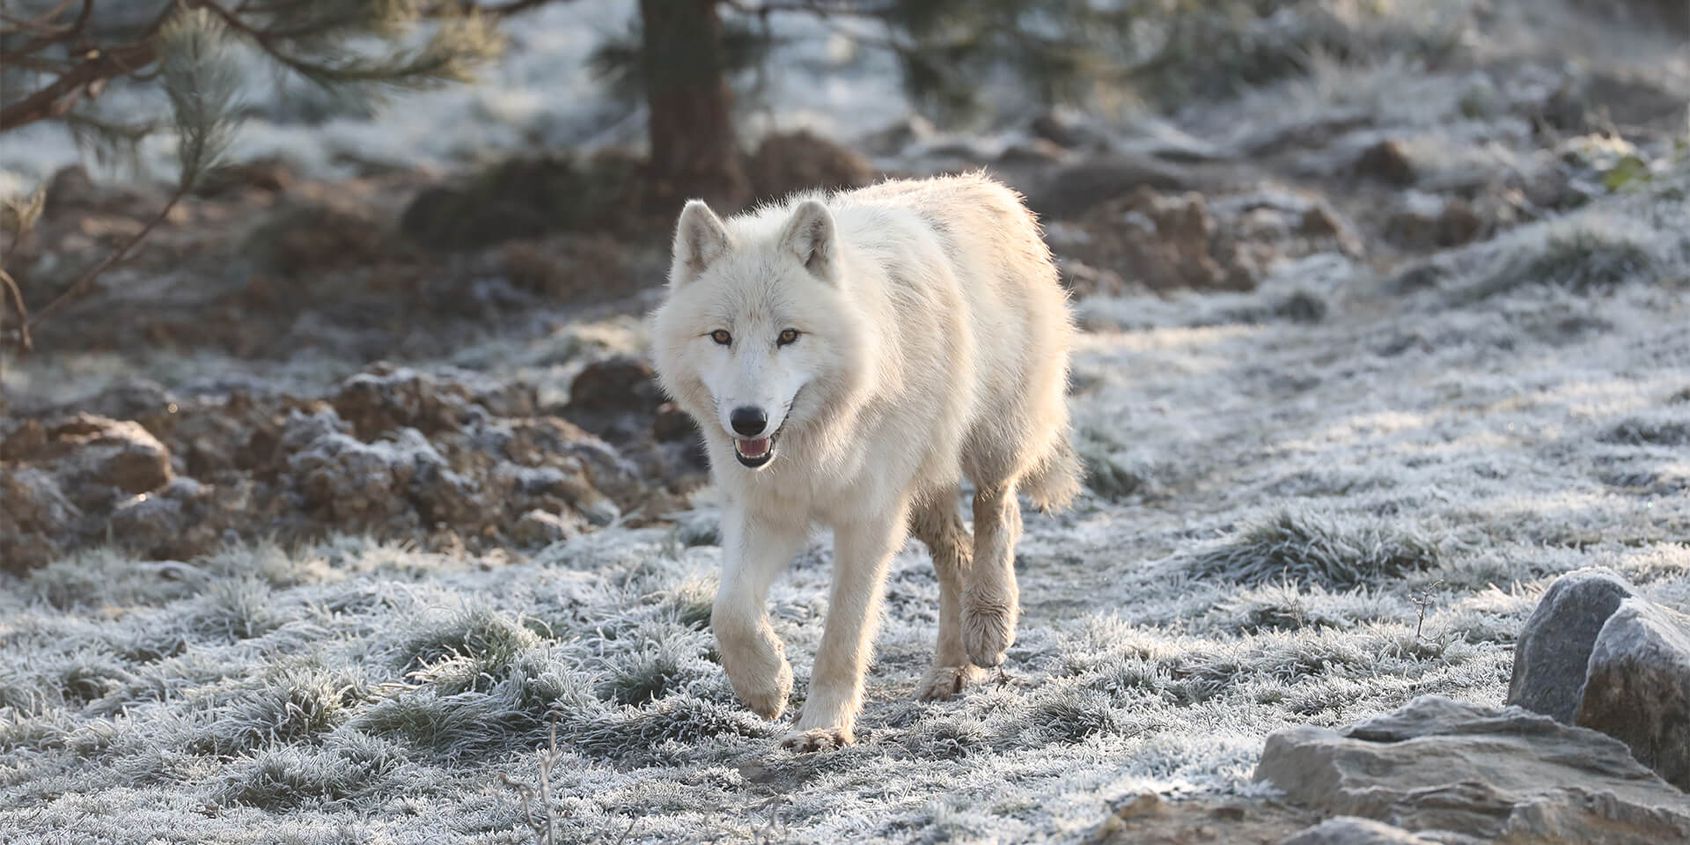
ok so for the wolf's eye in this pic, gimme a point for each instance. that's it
(787, 336)
(721, 337)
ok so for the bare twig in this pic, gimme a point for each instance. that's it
(499, 10)
(44, 27)
(624, 837)
(48, 34)
(544, 825)
(25, 343)
(98, 65)
(1423, 599)
(39, 23)
(774, 828)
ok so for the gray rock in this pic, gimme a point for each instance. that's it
(1637, 686)
(1439, 766)
(395, 484)
(1350, 830)
(34, 514)
(1554, 645)
(102, 455)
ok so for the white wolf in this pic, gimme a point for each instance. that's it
(850, 358)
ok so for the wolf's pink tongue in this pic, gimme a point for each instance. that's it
(754, 448)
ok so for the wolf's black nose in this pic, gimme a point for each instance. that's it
(748, 421)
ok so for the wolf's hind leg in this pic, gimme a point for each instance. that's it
(861, 552)
(991, 600)
(938, 524)
(754, 552)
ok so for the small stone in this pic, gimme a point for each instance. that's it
(1388, 162)
(1141, 804)
(541, 528)
(100, 454)
(1554, 645)
(1427, 221)
(181, 521)
(1637, 686)
(1352, 830)
(34, 515)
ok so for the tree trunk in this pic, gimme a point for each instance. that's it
(694, 152)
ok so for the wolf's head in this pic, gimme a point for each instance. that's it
(757, 339)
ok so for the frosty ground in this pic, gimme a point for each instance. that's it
(1295, 515)
(1309, 500)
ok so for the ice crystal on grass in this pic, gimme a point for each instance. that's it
(1310, 548)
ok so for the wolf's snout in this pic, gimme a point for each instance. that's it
(748, 421)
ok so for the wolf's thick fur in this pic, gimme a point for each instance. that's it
(931, 344)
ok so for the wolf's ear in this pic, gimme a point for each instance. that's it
(700, 239)
(811, 236)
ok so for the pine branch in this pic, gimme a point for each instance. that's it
(461, 42)
(58, 97)
(200, 82)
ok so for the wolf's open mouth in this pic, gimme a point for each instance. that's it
(755, 451)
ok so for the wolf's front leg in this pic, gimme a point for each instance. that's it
(754, 551)
(860, 555)
(991, 600)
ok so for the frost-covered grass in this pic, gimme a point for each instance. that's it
(1292, 521)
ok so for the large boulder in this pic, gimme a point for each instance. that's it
(1637, 686)
(1444, 768)
(1554, 646)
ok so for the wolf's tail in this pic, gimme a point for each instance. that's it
(1053, 484)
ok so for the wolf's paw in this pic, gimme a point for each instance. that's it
(988, 629)
(764, 693)
(817, 739)
(943, 682)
